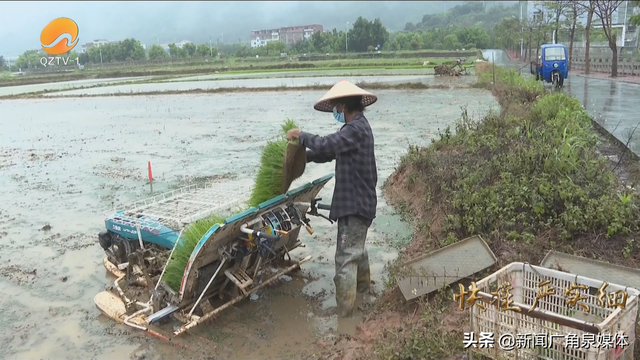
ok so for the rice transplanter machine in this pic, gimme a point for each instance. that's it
(227, 265)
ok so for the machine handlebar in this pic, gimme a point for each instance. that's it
(324, 207)
(264, 235)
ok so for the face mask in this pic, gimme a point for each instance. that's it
(338, 116)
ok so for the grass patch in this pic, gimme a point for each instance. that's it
(528, 179)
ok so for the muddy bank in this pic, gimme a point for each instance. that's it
(66, 161)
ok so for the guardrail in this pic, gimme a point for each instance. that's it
(604, 66)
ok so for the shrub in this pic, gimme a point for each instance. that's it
(522, 175)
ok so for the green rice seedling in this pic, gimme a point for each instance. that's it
(187, 242)
(267, 186)
(269, 178)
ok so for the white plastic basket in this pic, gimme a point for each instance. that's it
(552, 315)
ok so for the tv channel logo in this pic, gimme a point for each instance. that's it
(59, 37)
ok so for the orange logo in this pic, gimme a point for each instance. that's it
(59, 36)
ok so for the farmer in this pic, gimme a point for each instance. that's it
(354, 197)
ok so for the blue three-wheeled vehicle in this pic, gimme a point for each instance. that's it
(552, 65)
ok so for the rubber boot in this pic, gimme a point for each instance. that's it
(364, 274)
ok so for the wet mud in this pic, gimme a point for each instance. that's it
(65, 162)
(24, 89)
(265, 83)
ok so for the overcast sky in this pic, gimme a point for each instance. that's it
(174, 21)
(167, 21)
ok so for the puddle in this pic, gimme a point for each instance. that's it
(67, 161)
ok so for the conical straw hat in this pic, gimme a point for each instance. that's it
(343, 89)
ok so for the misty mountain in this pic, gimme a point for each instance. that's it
(218, 21)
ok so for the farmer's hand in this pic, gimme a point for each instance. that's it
(293, 134)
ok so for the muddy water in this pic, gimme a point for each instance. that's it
(24, 89)
(260, 83)
(65, 161)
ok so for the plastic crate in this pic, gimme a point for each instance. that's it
(525, 280)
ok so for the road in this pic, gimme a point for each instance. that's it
(610, 102)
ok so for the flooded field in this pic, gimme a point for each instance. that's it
(65, 161)
(24, 89)
(259, 83)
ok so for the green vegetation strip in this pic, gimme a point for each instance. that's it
(230, 67)
(528, 179)
(267, 186)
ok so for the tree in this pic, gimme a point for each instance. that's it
(2, 62)
(590, 8)
(507, 33)
(190, 48)
(557, 8)
(157, 52)
(635, 19)
(175, 51)
(365, 33)
(129, 49)
(83, 58)
(451, 42)
(205, 50)
(574, 11)
(30, 59)
(469, 14)
(604, 9)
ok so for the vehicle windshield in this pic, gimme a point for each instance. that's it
(554, 54)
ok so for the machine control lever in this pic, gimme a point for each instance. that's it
(313, 209)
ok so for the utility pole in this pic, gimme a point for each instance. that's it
(524, 17)
(346, 38)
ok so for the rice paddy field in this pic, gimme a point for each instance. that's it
(65, 161)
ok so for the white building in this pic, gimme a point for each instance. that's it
(183, 43)
(97, 42)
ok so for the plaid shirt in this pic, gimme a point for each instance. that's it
(356, 173)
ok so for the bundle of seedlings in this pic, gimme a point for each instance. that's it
(269, 184)
(271, 173)
(187, 242)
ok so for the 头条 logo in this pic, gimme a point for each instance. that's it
(59, 36)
